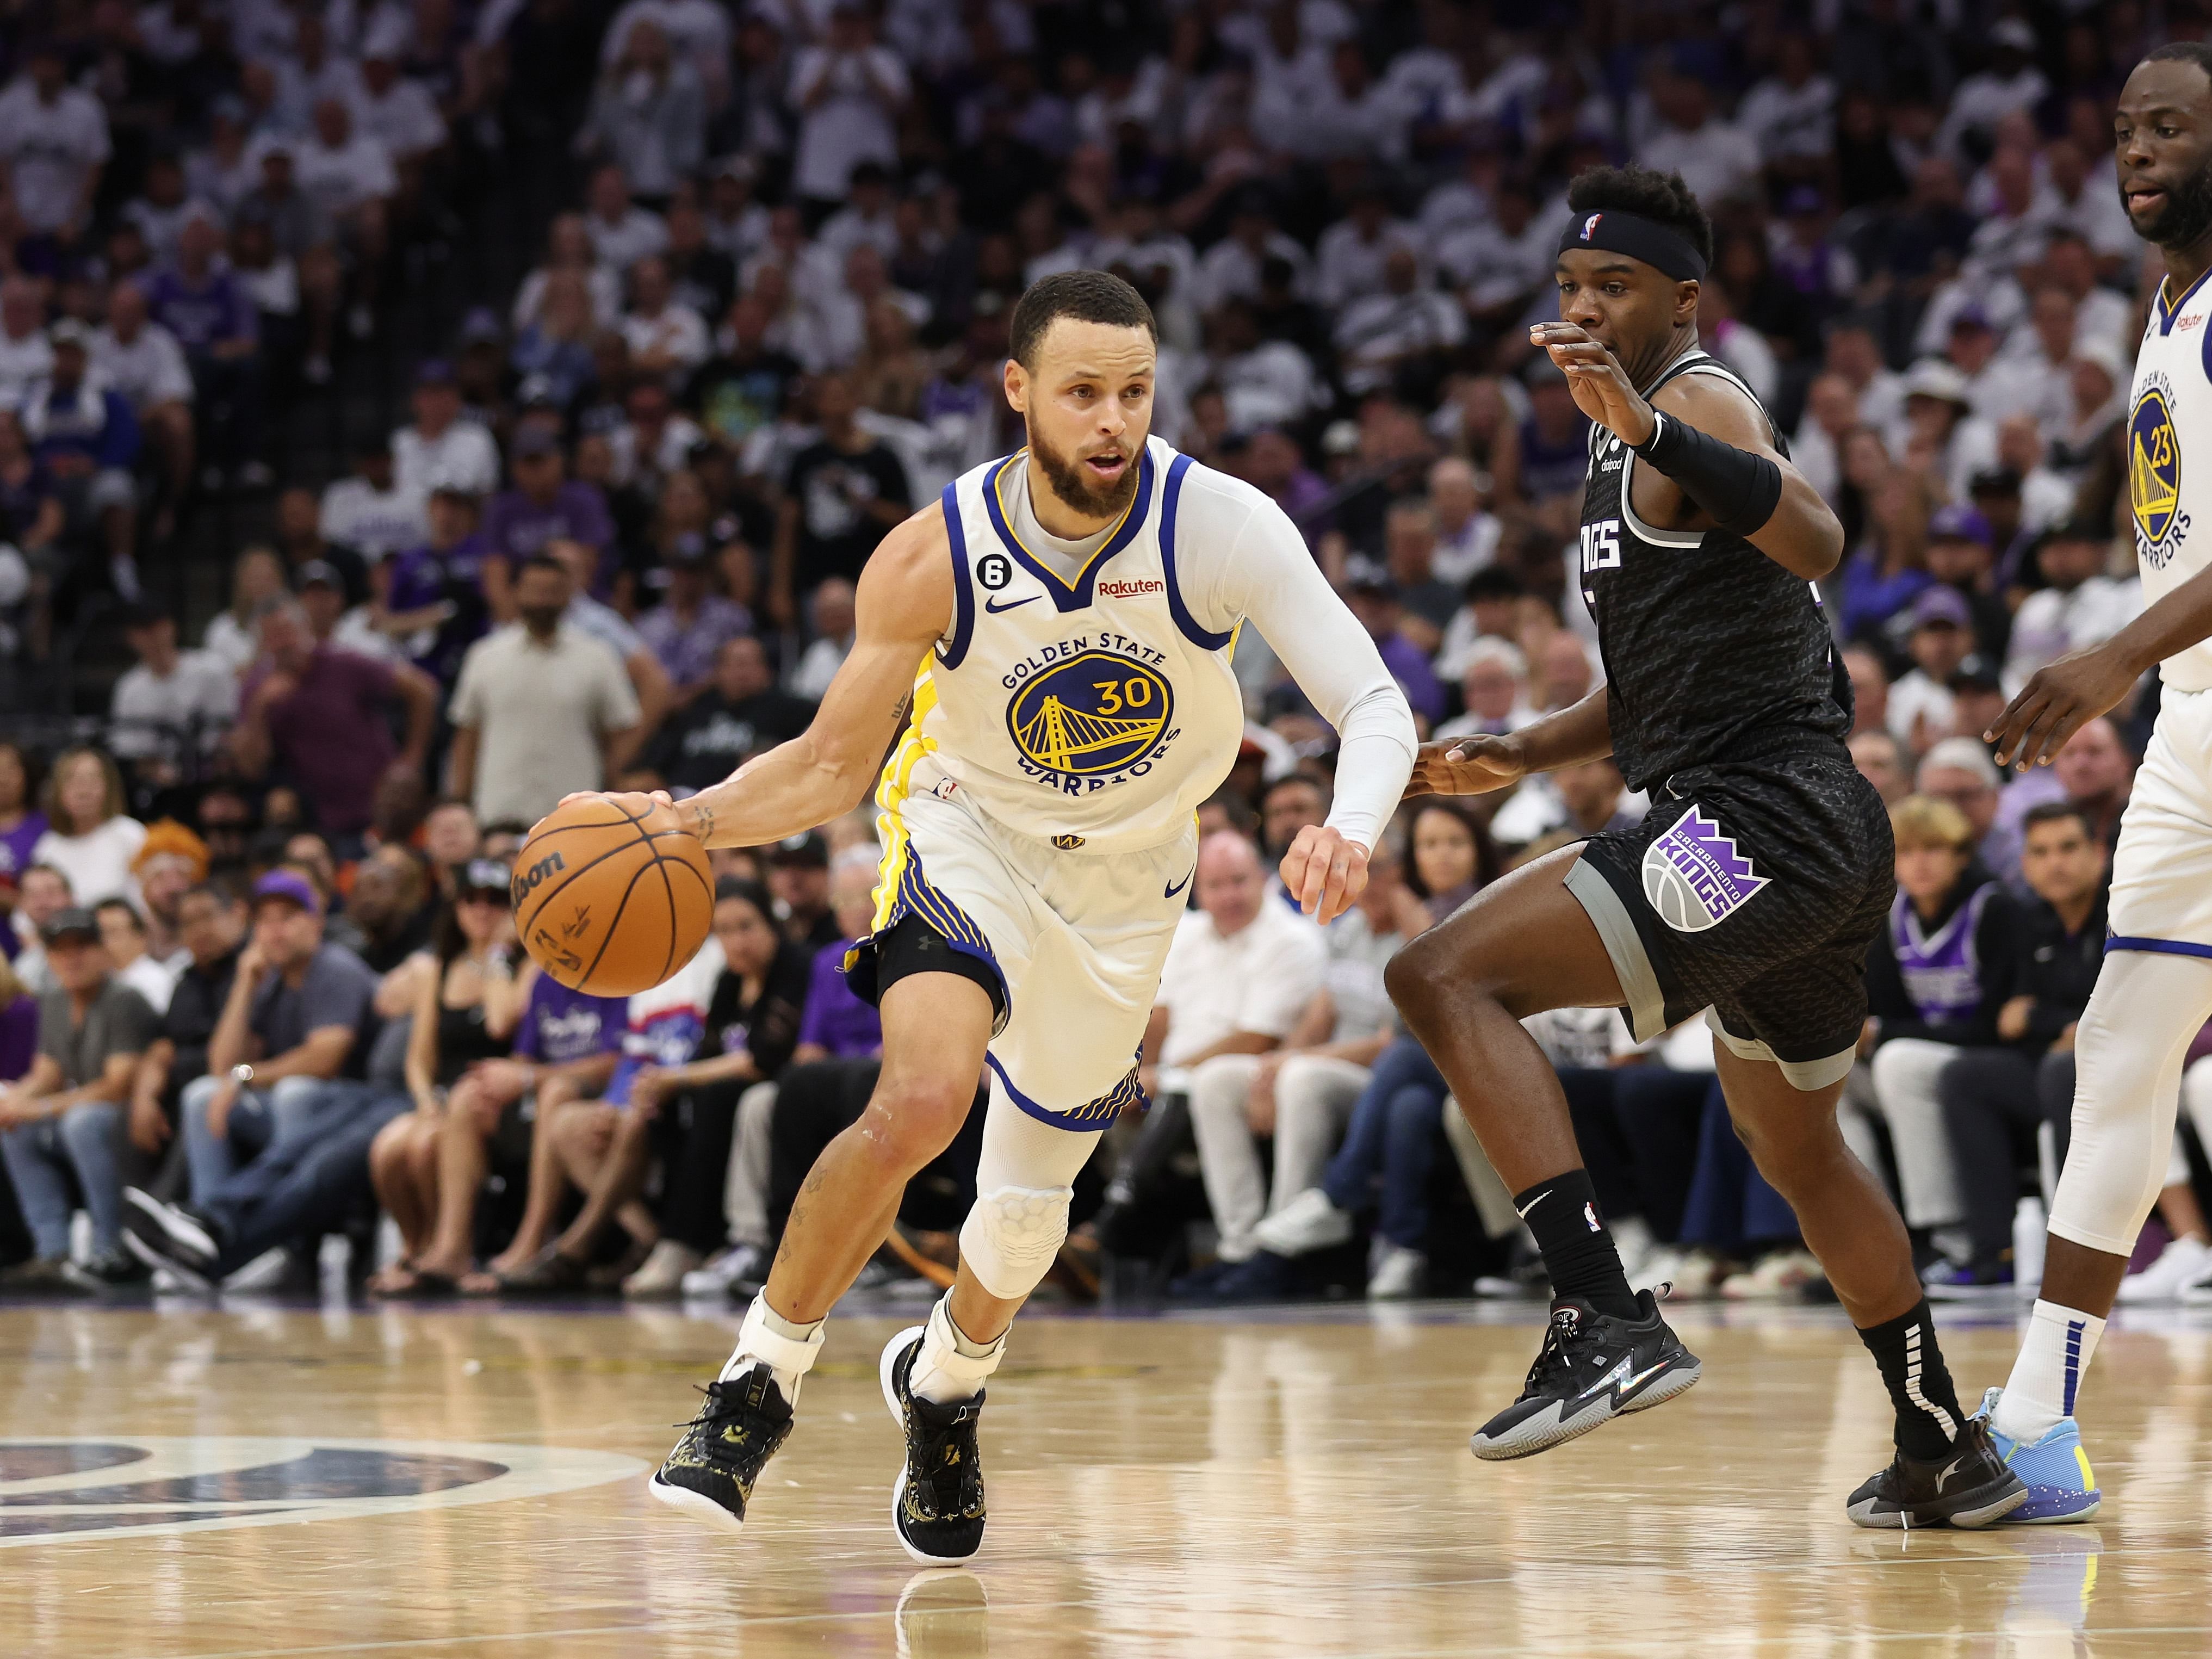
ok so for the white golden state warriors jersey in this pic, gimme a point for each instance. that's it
(2170, 461)
(1095, 714)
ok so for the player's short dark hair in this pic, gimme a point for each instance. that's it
(2185, 52)
(1662, 198)
(2050, 811)
(1088, 296)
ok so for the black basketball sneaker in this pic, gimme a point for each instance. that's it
(938, 1506)
(1969, 1485)
(711, 1472)
(1593, 1367)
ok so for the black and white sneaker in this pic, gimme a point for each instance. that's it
(938, 1506)
(168, 1235)
(1593, 1367)
(711, 1472)
(1969, 1485)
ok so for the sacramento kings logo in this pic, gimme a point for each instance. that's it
(2154, 473)
(1093, 714)
(1694, 877)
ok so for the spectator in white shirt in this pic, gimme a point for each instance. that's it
(143, 361)
(1349, 256)
(1499, 264)
(648, 115)
(2101, 316)
(370, 510)
(697, 31)
(397, 112)
(849, 92)
(92, 840)
(830, 609)
(257, 581)
(1816, 448)
(26, 354)
(347, 173)
(170, 703)
(1379, 334)
(2011, 83)
(1942, 636)
(868, 216)
(569, 249)
(1717, 160)
(53, 147)
(161, 213)
(123, 936)
(621, 232)
(2073, 199)
(1494, 685)
(440, 447)
(1263, 382)
(737, 225)
(1231, 268)
(2081, 607)
(1467, 532)
(1790, 114)
(1239, 969)
(666, 340)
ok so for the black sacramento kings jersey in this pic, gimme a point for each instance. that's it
(1713, 651)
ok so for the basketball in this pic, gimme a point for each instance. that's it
(609, 902)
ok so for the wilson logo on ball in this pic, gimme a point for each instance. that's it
(526, 881)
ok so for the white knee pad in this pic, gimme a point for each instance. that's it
(1012, 1235)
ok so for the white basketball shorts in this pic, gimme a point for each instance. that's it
(2162, 869)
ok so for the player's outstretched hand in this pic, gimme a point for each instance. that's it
(1467, 766)
(634, 802)
(1324, 871)
(2059, 700)
(1594, 374)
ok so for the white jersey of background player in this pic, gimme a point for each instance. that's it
(1059, 625)
(2156, 989)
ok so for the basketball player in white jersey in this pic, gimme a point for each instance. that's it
(1072, 609)
(2156, 989)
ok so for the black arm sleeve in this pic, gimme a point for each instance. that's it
(1740, 489)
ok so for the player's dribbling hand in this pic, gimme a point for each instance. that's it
(2059, 699)
(1466, 766)
(1601, 387)
(631, 801)
(1324, 871)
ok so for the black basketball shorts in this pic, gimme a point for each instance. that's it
(1753, 891)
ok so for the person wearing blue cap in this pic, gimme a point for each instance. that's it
(1940, 638)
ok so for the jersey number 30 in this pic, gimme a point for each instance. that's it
(1601, 546)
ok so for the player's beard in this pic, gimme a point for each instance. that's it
(1072, 483)
(2187, 215)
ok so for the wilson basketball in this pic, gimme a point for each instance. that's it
(609, 902)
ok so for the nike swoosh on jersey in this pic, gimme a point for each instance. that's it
(1177, 887)
(993, 605)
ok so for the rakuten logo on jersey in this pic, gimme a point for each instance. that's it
(1130, 590)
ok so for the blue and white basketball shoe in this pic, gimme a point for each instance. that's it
(2060, 1484)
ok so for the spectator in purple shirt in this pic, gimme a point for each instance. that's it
(213, 316)
(320, 717)
(433, 598)
(1373, 597)
(21, 823)
(688, 628)
(545, 506)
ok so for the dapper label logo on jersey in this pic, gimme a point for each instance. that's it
(2154, 473)
(1090, 712)
(1694, 877)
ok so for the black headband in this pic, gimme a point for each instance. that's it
(1656, 244)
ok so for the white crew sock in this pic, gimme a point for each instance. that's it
(2045, 1377)
(788, 1346)
(952, 1366)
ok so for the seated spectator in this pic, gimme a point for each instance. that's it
(1960, 770)
(42, 893)
(553, 349)
(257, 579)
(541, 709)
(1302, 1093)
(1937, 979)
(1920, 701)
(211, 923)
(91, 840)
(545, 506)
(621, 232)
(439, 446)
(1888, 571)
(844, 492)
(299, 1015)
(1577, 801)
(368, 511)
(389, 904)
(82, 433)
(429, 599)
(571, 1147)
(797, 877)
(1374, 599)
(833, 617)
(1997, 1099)
(667, 338)
(173, 704)
(123, 937)
(62, 1121)
(25, 354)
(468, 1004)
(2079, 607)
(1396, 1121)
(688, 628)
(143, 361)
(1467, 532)
(21, 822)
(171, 861)
(300, 538)
(206, 307)
(569, 253)
(322, 718)
(1404, 327)
(1881, 761)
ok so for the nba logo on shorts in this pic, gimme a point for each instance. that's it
(1694, 877)
(1589, 226)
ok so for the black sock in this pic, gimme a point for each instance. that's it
(1927, 1414)
(1579, 1249)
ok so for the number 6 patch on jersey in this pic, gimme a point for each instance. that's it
(1694, 877)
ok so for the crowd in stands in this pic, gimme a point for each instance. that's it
(264, 985)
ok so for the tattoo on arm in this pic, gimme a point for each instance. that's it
(706, 827)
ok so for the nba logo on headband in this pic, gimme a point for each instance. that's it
(1590, 224)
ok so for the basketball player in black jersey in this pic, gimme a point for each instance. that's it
(1750, 893)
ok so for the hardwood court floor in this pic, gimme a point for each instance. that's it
(258, 1480)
